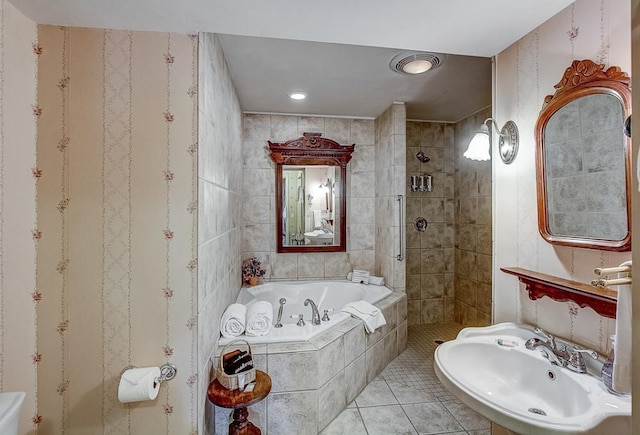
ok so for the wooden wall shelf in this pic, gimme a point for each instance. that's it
(601, 300)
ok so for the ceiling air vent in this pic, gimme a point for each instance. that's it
(415, 62)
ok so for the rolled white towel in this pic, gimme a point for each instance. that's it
(375, 280)
(369, 314)
(233, 321)
(259, 318)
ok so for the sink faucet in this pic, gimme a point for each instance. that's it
(576, 361)
(547, 351)
(315, 314)
(550, 350)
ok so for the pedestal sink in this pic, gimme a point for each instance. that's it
(10, 404)
(490, 370)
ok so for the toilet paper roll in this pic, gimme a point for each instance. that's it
(138, 384)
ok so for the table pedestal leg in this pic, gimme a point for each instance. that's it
(241, 424)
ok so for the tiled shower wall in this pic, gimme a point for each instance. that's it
(258, 196)
(473, 228)
(390, 171)
(220, 199)
(430, 254)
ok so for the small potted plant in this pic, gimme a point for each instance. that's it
(252, 270)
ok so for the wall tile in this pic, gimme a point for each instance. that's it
(284, 266)
(375, 359)
(292, 412)
(256, 127)
(283, 128)
(355, 378)
(311, 265)
(354, 344)
(331, 360)
(362, 131)
(332, 399)
(296, 371)
(432, 311)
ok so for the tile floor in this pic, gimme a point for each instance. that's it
(407, 398)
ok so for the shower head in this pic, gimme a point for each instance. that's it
(420, 156)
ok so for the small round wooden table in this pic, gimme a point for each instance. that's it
(238, 401)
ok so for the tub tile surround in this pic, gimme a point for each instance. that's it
(312, 382)
(258, 202)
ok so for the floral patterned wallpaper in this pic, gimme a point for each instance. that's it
(116, 198)
(526, 72)
(18, 237)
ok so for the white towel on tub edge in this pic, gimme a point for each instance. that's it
(369, 314)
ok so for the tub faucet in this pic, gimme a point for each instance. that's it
(278, 321)
(315, 314)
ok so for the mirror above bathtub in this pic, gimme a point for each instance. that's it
(583, 160)
(311, 205)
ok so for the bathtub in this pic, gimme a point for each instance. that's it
(328, 295)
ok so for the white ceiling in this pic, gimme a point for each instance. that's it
(336, 50)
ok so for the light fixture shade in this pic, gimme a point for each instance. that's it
(479, 146)
(417, 66)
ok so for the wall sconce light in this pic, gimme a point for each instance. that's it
(507, 146)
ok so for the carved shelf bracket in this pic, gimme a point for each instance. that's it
(601, 300)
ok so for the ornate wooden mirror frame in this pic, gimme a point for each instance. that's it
(313, 150)
(583, 78)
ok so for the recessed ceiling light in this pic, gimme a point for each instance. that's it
(297, 95)
(415, 62)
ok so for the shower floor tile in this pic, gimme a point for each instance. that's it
(407, 397)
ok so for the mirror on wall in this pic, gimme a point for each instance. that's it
(583, 159)
(311, 206)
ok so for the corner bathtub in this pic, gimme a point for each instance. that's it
(328, 295)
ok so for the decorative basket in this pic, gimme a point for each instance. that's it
(239, 380)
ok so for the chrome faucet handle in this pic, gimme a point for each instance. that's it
(550, 339)
(326, 318)
(553, 358)
(300, 319)
(576, 361)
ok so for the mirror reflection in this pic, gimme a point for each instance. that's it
(583, 160)
(309, 203)
(584, 164)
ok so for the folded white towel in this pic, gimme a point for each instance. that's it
(233, 320)
(375, 280)
(369, 314)
(317, 220)
(259, 318)
(622, 368)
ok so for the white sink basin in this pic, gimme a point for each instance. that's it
(10, 404)
(520, 389)
(319, 237)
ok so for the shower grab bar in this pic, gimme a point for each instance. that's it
(400, 257)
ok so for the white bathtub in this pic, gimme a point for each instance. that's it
(326, 294)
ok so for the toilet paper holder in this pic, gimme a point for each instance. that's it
(167, 372)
